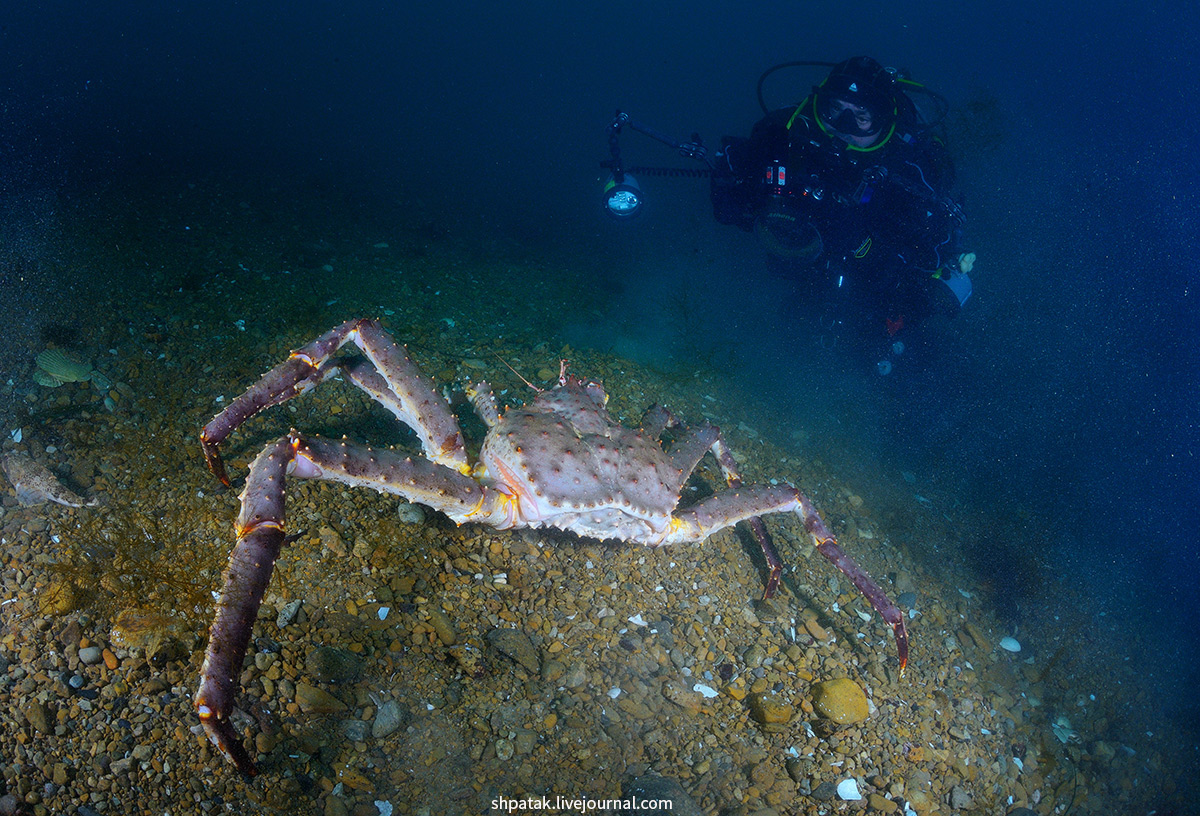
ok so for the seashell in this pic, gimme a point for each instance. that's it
(62, 366)
(1010, 644)
(48, 380)
(847, 790)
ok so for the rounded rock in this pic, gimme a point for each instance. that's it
(840, 700)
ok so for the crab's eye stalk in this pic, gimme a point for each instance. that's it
(622, 199)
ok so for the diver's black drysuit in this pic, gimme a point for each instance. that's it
(873, 227)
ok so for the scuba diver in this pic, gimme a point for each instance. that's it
(849, 194)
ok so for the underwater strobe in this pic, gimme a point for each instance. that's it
(622, 196)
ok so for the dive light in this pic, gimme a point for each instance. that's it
(623, 198)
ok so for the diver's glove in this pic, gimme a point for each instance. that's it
(957, 280)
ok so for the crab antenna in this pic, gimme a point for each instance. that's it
(518, 373)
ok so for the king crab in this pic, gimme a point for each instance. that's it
(559, 461)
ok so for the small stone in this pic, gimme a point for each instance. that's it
(410, 513)
(355, 730)
(840, 700)
(797, 768)
(960, 799)
(287, 613)
(816, 630)
(553, 671)
(388, 719)
(332, 541)
(881, 804)
(442, 626)
(37, 716)
(59, 598)
(504, 750)
(825, 792)
(753, 657)
(575, 677)
(682, 696)
(515, 644)
(325, 664)
(91, 655)
(767, 709)
(110, 659)
(265, 743)
(313, 700)
(977, 636)
(525, 741)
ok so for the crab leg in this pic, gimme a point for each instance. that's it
(687, 452)
(260, 532)
(260, 538)
(741, 504)
(388, 375)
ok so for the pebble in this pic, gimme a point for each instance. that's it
(410, 513)
(816, 630)
(504, 750)
(960, 799)
(37, 716)
(313, 700)
(881, 804)
(575, 677)
(767, 709)
(327, 664)
(516, 645)
(91, 655)
(355, 730)
(443, 627)
(388, 718)
(288, 612)
(840, 700)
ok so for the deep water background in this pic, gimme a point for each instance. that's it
(1064, 401)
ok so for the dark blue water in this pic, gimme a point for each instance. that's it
(1066, 396)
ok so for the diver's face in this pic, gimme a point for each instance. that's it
(850, 122)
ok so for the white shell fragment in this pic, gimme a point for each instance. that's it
(705, 691)
(847, 790)
(1010, 644)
